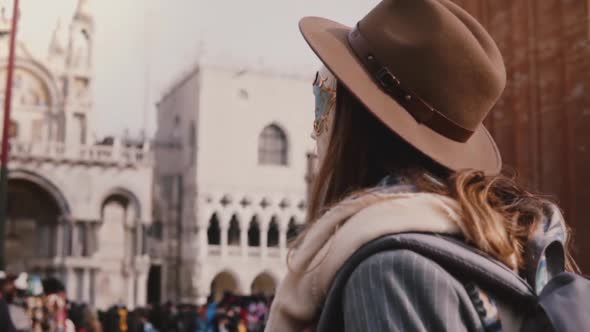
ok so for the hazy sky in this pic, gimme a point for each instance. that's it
(142, 46)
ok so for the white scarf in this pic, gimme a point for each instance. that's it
(338, 234)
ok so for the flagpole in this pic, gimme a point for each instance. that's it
(5, 132)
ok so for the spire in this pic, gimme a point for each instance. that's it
(5, 20)
(58, 40)
(84, 12)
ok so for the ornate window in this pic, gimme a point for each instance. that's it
(254, 233)
(214, 232)
(272, 146)
(273, 233)
(233, 233)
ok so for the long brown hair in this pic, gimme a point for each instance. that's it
(499, 216)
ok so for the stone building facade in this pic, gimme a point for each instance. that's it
(230, 179)
(77, 209)
(542, 122)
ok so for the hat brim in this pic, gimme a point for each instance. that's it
(328, 39)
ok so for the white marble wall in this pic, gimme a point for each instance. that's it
(230, 108)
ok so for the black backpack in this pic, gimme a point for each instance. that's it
(562, 305)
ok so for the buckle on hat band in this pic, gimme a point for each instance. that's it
(420, 110)
(386, 79)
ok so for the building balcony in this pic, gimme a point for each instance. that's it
(70, 262)
(215, 251)
(254, 252)
(274, 252)
(111, 155)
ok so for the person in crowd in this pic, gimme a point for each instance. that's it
(170, 317)
(18, 302)
(91, 321)
(211, 317)
(401, 148)
(76, 314)
(201, 318)
(146, 325)
(231, 314)
(5, 319)
(156, 316)
(223, 322)
(56, 303)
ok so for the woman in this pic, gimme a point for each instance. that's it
(402, 148)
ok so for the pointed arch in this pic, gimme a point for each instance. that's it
(214, 231)
(273, 233)
(254, 232)
(233, 232)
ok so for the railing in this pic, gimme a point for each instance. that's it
(235, 251)
(274, 252)
(254, 251)
(87, 154)
(214, 250)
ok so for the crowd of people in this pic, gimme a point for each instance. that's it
(30, 304)
(232, 313)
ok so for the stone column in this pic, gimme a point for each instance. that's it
(263, 240)
(86, 283)
(71, 283)
(59, 238)
(75, 244)
(244, 240)
(283, 241)
(202, 246)
(129, 282)
(141, 295)
(224, 229)
(165, 275)
(138, 238)
(202, 239)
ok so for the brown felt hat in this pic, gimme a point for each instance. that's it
(427, 69)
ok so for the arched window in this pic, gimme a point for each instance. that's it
(272, 146)
(213, 231)
(254, 233)
(118, 227)
(273, 233)
(233, 233)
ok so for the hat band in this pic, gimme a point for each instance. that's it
(422, 112)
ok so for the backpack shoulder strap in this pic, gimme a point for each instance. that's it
(450, 253)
